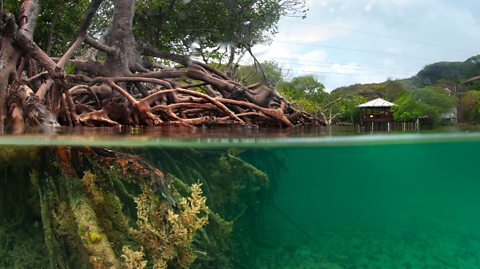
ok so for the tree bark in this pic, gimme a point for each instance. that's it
(121, 40)
(10, 55)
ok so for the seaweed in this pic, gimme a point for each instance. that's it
(168, 235)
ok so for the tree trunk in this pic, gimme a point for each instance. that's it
(121, 39)
(11, 55)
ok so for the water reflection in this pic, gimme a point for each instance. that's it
(233, 136)
(192, 133)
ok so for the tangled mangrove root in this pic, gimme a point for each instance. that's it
(122, 86)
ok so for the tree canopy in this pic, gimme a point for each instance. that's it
(211, 24)
(428, 102)
(303, 87)
(212, 29)
(308, 94)
(268, 73)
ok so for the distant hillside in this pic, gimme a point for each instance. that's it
(443, 74)
(451, 72)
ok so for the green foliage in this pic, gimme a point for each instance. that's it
(308, 94)
(172, 25)
(210, 23)
(388, 90)
(12, 6)
(453, 72)
(393, 90)
(428, 102)
(347, 107)
(57, 24)
(70, 68)
(470, 106)
(303, 87)
(378, 87)
(251, 74)
(474, 86)
(407, 108)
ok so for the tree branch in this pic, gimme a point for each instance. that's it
(99, 46)
(81, 34)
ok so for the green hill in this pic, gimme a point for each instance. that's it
(450, 72)
(443, 74)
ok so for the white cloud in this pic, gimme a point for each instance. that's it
(316, 3)
(271, 52)
(387, 62)
(311, 31)
(367, 7)
(422, 31)
(313, 56)
(398, 2)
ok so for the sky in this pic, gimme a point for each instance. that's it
(344, 42)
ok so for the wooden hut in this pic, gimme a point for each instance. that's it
(377, 110)
(376, 113)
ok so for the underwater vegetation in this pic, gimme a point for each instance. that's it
(165, 234)
(84, 207)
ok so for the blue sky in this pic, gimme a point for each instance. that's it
(343, 42)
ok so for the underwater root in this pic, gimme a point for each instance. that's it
(104, 208)
(88, 221)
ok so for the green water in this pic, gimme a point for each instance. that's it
(376, 206)
(351, 202)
